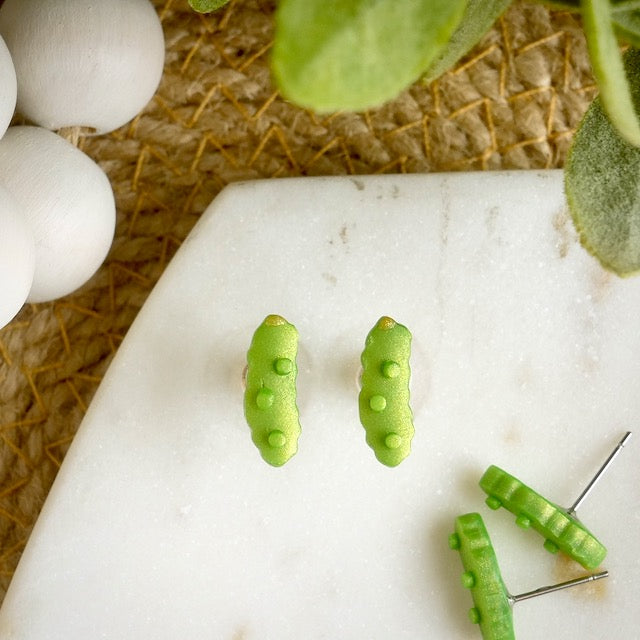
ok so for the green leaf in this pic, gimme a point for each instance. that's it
(624, 5)
(608, 69)
(627, 26)
(478, 18)
(602, 183)
(355, 54)
(567, 5)
(206, 6)
(574, 5)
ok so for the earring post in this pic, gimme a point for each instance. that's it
(557, 587)
(582, 497)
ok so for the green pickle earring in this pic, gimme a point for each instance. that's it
(270, 394)
(559, 526)
(384, 397)
(492, 609)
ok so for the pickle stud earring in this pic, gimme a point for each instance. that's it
(492, 608)
(384, 397)
(270, 394)
(560, 527)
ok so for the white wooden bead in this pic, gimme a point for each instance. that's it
(16, 258)
(81, 62)
(7, 87)
(67, 201)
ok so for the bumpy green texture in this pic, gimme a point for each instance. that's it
(478, 18)
(336, 54)
(561, 531)
(270, 395)
(602, 183)
(384, 399)
(492, 607)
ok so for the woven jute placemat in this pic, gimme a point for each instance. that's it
(513, 103)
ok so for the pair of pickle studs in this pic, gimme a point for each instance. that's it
(270, 391)
(559, 526)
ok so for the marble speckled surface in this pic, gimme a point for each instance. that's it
(164, 521)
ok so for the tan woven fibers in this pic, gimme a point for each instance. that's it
(512, 104)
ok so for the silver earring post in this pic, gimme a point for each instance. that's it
(612, 456)
(558, 587)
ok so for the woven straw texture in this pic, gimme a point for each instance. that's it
(513, 103)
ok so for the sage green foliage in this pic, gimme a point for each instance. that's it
(602, 183)
(270, 394)
(332, 54)
(618, 7)
(384, 398)
(627, 24)
(609, 70)
(567, 5)
(206, 6)
(492, 609)
(478, 18)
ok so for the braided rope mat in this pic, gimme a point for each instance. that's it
(513, 103)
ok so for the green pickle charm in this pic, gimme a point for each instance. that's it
(384, 398)
(492, 606)
(270, 395)
(559, 528)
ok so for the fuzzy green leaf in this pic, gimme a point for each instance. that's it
(568, 5)
(618, 6)
(602, 183)
(333, 54)
(608, 69)
(478, 18)
(574, 5)
(627, 26)
(206, 6)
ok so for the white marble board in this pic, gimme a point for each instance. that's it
(164, 521)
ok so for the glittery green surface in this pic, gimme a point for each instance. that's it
(492, 609)
(384, 399)
(560, 530)
(270, 395)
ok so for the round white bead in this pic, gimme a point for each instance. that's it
(81, 62)
(8, 87)
(16, 258)
(67, 202)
